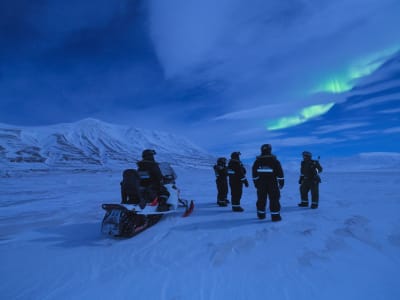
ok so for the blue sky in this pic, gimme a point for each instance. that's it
(229, 74)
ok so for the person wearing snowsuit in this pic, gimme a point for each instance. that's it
(151, 180)
(130, 188)
(309, 180)
(221, 179)
(237, 178)
(269, 180)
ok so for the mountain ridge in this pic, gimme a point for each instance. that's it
(91, 143)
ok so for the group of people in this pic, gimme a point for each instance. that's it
(267, 175)
(268, 179)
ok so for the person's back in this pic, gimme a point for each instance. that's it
(151, 179)
(268, 179)
(221, 179)
(130, 187)
(309, 180)
(267, 168)
(310, 168)
(149, 171)
(237, 177)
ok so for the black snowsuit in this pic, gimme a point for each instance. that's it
(267, 172)
(221, 179)
(130, 188)
(151, 180)
(237, 177)
(309, 181)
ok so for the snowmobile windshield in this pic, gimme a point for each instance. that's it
(168, 173)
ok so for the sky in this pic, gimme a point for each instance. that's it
(230, 75)
(51, 246)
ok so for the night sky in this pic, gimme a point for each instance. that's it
(229, 74)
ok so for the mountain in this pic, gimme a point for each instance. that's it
(91, 143)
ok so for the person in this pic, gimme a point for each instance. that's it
(309, 180)
(237, 178)
(151, 180)
(130, 188)
(269, 180)
(221, 179)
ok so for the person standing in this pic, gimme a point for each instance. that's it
(269, 180)
(221, 179)
(237, 178)
(309, 180)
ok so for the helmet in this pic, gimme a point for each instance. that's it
(235, 155)
(148, 153)
(307, 154)
(221, 161)
(266, 149)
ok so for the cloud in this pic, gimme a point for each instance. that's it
(215, 71)
(376, 100)
(263, 111)
(339, 127)
(236, 42)
(392, 130)
(268, 56)
(389, 111)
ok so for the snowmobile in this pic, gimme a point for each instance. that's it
(128, 219)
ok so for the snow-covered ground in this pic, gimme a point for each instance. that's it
(349, 248)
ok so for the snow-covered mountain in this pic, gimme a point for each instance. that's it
(90, 143)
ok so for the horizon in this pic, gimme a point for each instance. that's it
(38, 142)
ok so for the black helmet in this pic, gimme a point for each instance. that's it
(221, 161)
(307, 154)
(148, 153)
(235, 155)
(266, 149)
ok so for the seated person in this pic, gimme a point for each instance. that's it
(151, 180)
(130, 188)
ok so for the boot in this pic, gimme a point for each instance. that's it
(261, 215)
(303, 204)
(237, 208)
(222, 203)
(314, 206)
(162, 205)
(276, 217)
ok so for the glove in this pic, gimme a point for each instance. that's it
(300, 179)
(281, 183)
(246, 183)
(255, 183)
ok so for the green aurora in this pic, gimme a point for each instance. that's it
(304, 115)
(344, 80)
(338, 83)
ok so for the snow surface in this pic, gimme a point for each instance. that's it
(349, 248)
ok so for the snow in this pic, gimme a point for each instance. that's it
(51, 246)
(91, 144)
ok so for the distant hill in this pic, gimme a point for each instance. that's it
(91, 143)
